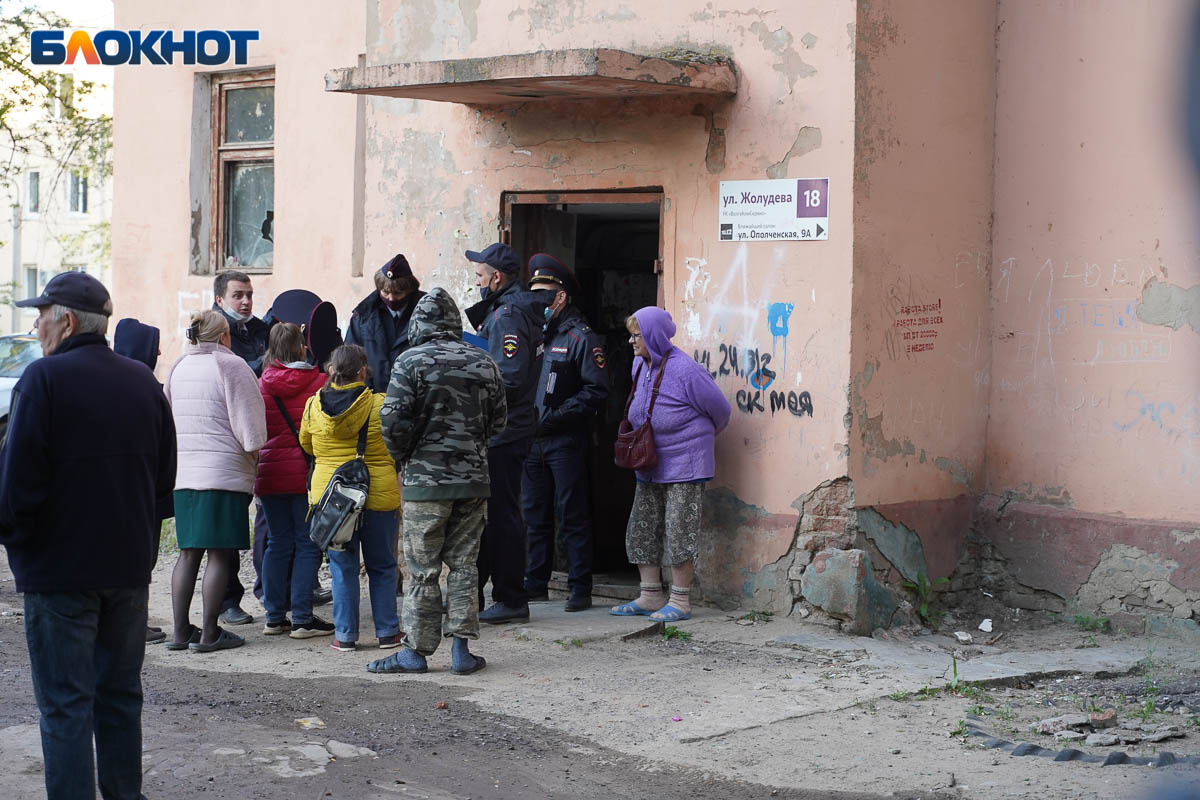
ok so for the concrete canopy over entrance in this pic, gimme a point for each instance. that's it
(545, 75)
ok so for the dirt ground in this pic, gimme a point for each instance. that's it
(569, 708)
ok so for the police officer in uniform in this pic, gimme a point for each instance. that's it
(572, 388)
(510, 318)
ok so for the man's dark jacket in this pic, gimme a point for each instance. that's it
(85, 469)
(383, 336)
(511, 320)
(248, 340)
(574, 375)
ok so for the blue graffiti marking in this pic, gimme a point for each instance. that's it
(777, 317)
(1155, 412)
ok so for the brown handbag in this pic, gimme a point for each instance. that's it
(634, 448)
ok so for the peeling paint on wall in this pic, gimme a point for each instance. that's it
(958, 473)
(897, 543)
(807, 139)
(779, 42)
(1046, 495)
(1131, 579)
(1169, 305)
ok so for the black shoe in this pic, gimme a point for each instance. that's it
(578, 603)
(500, 613)
(236, 616)
(155, 635)
(322, 596)
(311, 629)
(538, 597)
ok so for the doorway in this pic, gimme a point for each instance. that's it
(613, 242)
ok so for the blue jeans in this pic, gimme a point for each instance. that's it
(375, 536)
(85, 654)
(288, 583)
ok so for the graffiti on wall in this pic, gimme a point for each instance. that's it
(919, 326)
(753, 366)
(737, 318)
(186, 303)
(1104, 331)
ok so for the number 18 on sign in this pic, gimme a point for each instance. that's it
(765, 211)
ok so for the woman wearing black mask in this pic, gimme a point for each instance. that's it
(379, 324)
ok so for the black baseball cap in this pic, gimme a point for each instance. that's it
(545, 268)
(497, 256)
(74, 290)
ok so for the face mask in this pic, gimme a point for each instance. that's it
(546, 296)
(394, 305)
(484, 292)
(236, 316)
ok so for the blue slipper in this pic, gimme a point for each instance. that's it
(669, 613)
(630, 609)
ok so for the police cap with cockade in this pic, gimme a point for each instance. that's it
(548, 269)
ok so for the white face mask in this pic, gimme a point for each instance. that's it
(236, 316)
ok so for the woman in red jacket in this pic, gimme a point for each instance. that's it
(289, 569)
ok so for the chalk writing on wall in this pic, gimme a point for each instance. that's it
(918, 326)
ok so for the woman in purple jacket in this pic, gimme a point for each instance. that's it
(688, 415)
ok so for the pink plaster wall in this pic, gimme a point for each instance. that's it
(1091, 408)
(435, 173)
(314, 159)
(923, 195)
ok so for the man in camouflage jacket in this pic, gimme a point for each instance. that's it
(445, 402)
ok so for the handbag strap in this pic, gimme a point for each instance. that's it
(662, 367)
(362, 438)
(287, 418)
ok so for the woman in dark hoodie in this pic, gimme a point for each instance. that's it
(379, 324)
(138, 341)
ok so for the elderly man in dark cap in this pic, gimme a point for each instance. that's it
(572, 389)
(86, 472)
(379, 324)
(510, 318)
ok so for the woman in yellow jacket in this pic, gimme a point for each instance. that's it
(329, 431)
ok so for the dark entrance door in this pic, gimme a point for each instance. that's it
(613, 242)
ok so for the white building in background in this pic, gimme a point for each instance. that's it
(57, 222)
(57, 210)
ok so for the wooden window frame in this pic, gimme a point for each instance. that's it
(226, 154)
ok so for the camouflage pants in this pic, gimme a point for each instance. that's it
(437, 532)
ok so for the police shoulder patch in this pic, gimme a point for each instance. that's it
(510, 344)
(598, 357)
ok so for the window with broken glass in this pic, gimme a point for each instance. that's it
(244, 171)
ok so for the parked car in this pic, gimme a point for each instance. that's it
(16, 353)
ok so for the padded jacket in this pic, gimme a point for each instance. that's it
(282, 466)
(329, 431)
(219, 421)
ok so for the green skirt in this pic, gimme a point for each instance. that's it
(212, 519)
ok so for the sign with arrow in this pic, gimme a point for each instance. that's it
(774, 210)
